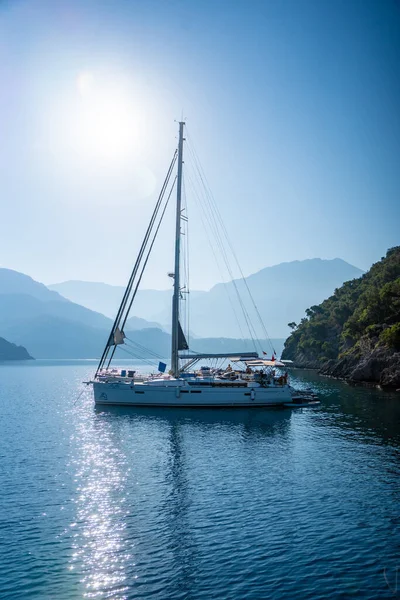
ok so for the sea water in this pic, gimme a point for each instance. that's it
(195, 504)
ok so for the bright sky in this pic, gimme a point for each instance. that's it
(293, 106)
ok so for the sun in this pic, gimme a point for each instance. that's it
(106, 123)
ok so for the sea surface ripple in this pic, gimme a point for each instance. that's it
(195, 504)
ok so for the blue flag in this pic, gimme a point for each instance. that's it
(161, 367)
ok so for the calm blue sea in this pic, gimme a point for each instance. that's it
(195, 504)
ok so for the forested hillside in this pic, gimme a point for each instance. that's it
(355, 334)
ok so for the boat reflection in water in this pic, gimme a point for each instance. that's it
(251, 418)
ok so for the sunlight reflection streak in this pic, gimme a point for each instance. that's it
(99, 547)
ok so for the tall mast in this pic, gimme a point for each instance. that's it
(175, 300)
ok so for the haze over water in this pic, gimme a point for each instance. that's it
(128, 503)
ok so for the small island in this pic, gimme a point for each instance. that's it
(354, 334)
(9, 351)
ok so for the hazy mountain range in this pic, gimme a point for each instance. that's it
(70, 324)
(51, 326)
(281, 293)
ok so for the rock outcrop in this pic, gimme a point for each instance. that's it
(380, 367)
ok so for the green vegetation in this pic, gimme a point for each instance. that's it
(362, 315)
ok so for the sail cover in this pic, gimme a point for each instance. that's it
(182, 343)
(116, 338)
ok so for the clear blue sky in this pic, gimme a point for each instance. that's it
(293, 106)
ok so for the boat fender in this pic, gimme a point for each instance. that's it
(178, 392)
(252, 394)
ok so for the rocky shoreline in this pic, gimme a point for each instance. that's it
(380, 368)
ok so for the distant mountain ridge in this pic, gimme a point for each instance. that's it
(48, 324)
(281, 292)
(106, 298)
(14, 282)
(14, 307)
(54, 327)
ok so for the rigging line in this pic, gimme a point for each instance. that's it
(134, 293)
(144, 348)
(217, 262)
(188, 266)
(145, 359)
(217, 235)
(150, 228)
(226, 288)
(212, 248)
(207, 185)
(149, 251)
(137, 357)
(136, 266)
(182, 302)
(214, 225)
(209, 197)
(142, 354)
(144, 265)
(242, 305)
(78, 396)
(267, 337)
(133, 274)
(134, 353)
(214, 207)
(186, 263)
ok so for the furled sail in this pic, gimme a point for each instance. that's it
(117, 338)
(182, 343)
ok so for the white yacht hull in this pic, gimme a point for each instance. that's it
(143, 394)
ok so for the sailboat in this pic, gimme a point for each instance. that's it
(182, 386)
